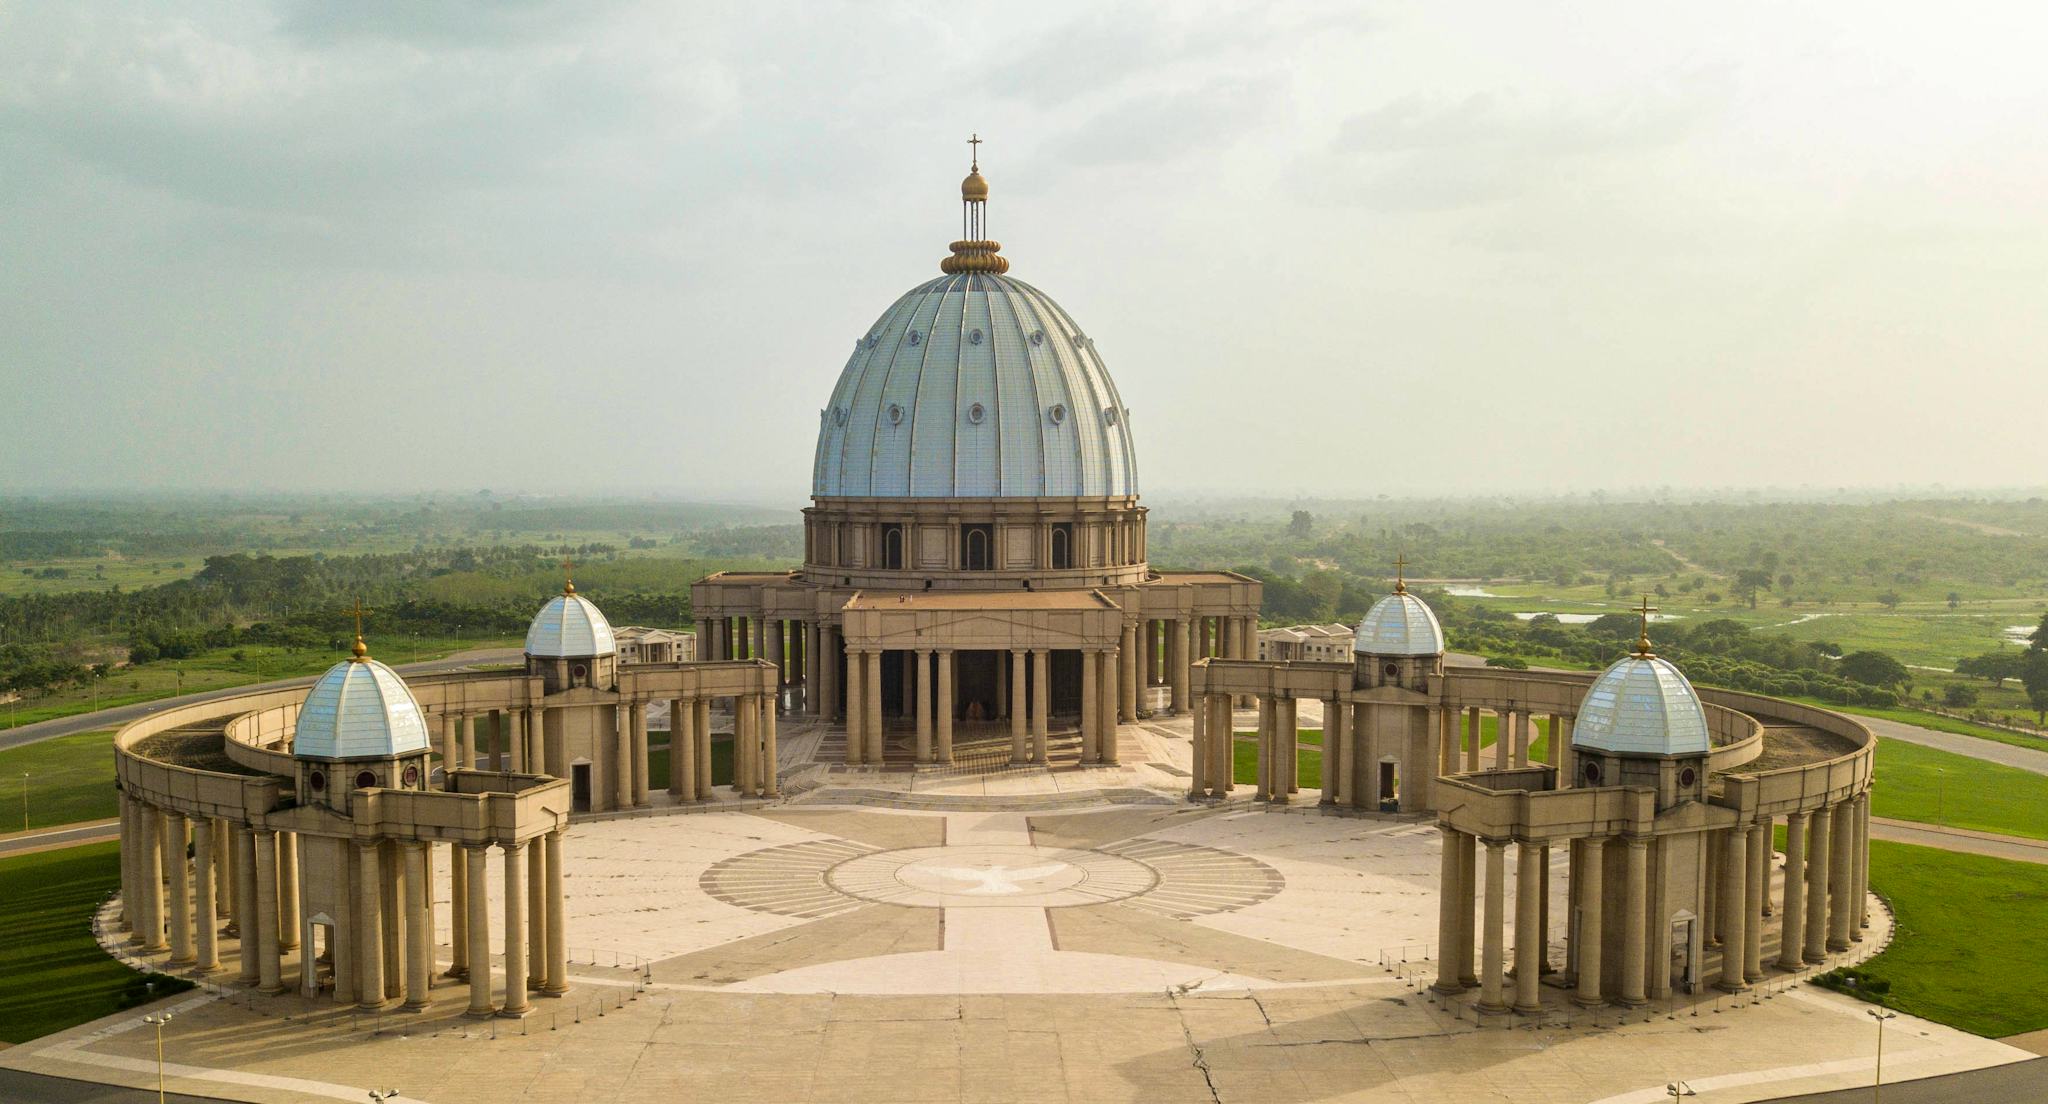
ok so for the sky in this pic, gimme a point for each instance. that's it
(1339, 250)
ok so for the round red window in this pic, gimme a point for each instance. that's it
(412, 776)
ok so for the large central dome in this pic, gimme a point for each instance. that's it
(974, 385)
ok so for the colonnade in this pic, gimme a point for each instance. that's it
(512, 739)
(1150, 652)
(187, 881)
(1611, 937)
(1515, 734)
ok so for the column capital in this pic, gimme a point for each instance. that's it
(1493, 844)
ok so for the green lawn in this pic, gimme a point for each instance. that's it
(1967, 951)
(721, 763)
(1935, 786)
(1938, 723)
(70, 778)
(216, 669)
(1244, 763)
(52, 974)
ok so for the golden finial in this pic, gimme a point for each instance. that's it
(974, 252)
(568, 581)
(360, 651)
(1400, 574)
(1643, 634)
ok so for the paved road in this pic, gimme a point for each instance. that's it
(71, 835)
(1991, 751)
(1960, 839)
(2014, 1081)
(120, 715)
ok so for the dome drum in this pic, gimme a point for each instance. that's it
(980, 543)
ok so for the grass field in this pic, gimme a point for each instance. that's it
(52, 974)
(1967, 951)
(70, 778)
(721, 763)
(1938, 723)
(1934, 786)
(216, 669)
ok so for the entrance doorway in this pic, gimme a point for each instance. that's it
(1390, 787)
(579, 786)
(1685, 964)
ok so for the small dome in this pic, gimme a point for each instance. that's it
(570, 627)
(360, 709)
(1641, 705)
(1399, 625)
(974, 187)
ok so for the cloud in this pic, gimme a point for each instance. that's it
(1158, 127)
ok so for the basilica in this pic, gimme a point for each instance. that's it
(976, 618)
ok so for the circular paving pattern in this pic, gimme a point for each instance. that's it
(824, 878)
(985, 875)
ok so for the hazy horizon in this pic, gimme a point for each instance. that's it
(1327, 252)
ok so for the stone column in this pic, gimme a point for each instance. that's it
(1199, 755)
(1268, 755)
(557, 981)
(288, 890)
(370, 925)
(206, 888)
(1448, 880)
(1792, 918)
(1336, 764)
(129, 897)
(419, 941)
(1531, 941)
(1468, 890)
(923, 658)
(536, 906)
(1178, 664)
(1591, 902)
(1758, 872)
(1634, 906)
(1041, 703)
(1091, 710)
(1290, 746)
(856, 711)
(878, 743)
(680, 756)
(1223, 742)
(515, 725)
(150, 878)
(947, 661)
(475, 856)
(1019, 742)
(515, 929)
(1492, 934)
(1561, 753)
(745, 745)
(245, 903)
(179, 888)
(1112, 664)
(1127, 662)
(808, 684)
(621, 764)
(458, 913)
(1841, 878)
(779, 658)
(639, 746)
(771, 784)
(1860, 871)
(451, 749)
(1734, 890)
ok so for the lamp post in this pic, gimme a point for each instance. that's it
(1877, 1085)
(24, 801)
(377, 1097)
(1679, 1089)
(1940, 796)
(158, 1022)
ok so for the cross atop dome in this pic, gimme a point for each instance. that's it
(1400, 574)
(1643, 633)
(974, 252)
(360, 651)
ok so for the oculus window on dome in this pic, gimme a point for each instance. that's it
(975, 340)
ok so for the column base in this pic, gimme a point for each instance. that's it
(1836, 947)
(554, 990)
(1735, 987)
(203, 971)
(518, 1013)
(415, 1006)
(1589, 1002)
(1449, 989)
(1492, 1008)
(1632, 1002)
(484, 1013)
(456, 972)
(383, 1005)
(189, 960)
(1526, 1009)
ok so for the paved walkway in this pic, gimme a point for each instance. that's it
(1991, 751)
(49, 839)
(2014, 1082)
(120, 715)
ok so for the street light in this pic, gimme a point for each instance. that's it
(1679, 1089)
(158, 1022)
(380, 1097)
(1877, 1086)
(1940, 796)
(24, 801)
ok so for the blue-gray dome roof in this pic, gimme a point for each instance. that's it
(570, 627)
(360, 709)
(1399, 625)
(1641, 705)
(974, 385)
